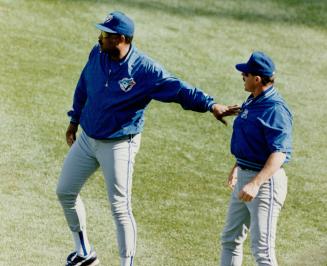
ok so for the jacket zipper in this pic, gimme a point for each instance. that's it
(107, 82)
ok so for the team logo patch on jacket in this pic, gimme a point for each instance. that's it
(244, 114)
(126, 84)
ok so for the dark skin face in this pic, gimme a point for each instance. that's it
(113, 44)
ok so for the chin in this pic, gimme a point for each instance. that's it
(103, 50)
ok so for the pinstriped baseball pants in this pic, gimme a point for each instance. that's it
(116, 160)
(259, 216)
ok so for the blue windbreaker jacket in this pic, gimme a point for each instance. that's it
(110, 97)
(264, 126)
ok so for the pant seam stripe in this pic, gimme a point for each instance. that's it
(127, 190)
(270, 217)
(81, 237)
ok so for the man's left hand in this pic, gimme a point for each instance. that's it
(249, 191)
(219, 111)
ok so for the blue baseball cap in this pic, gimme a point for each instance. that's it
(117, 22)
(259, 64)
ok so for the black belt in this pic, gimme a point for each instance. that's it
(251, 169)
(248, 168)
(125, 137)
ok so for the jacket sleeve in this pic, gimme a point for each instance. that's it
(167, 88)
(80, 96)
(278, 130)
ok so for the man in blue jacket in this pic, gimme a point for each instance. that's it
(115, 86)
(261, 143)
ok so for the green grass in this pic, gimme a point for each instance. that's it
(179, 197)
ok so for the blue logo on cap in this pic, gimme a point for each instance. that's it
(108, 18)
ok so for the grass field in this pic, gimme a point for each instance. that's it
(179, 197)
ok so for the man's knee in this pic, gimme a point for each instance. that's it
(232, 246)
(65, 196)
(121, 209)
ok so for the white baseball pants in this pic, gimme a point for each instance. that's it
(116, 159)
(259, 216)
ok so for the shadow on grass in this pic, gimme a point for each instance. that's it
(301, 12)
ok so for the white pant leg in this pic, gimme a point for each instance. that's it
(235, 230)
(116, 159)
(264, 210)
(261, 215)
(78, 166)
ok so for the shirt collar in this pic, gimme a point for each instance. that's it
(263, 95)
(126, 58)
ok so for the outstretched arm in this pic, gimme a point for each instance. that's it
(168, 88)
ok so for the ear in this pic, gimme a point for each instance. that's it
(122, 39)
(258, 79)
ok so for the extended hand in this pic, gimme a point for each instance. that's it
(71, 134)
(219, 111)
(248, 192)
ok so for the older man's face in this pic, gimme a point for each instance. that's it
(250, 82)
(109, 43)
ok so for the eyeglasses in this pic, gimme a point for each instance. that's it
(104, 34)
(107, 34)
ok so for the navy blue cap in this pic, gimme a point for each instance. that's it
(117, 22)
(259, 64)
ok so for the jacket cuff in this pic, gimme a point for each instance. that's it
(73, 118)
(210, 105)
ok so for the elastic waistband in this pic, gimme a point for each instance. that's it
(245, 164)
(251, 169)
(247, 168)
(125, 137)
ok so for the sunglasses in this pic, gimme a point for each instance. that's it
(107, 34)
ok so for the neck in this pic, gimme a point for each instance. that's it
(257, 91)
(123, 51)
